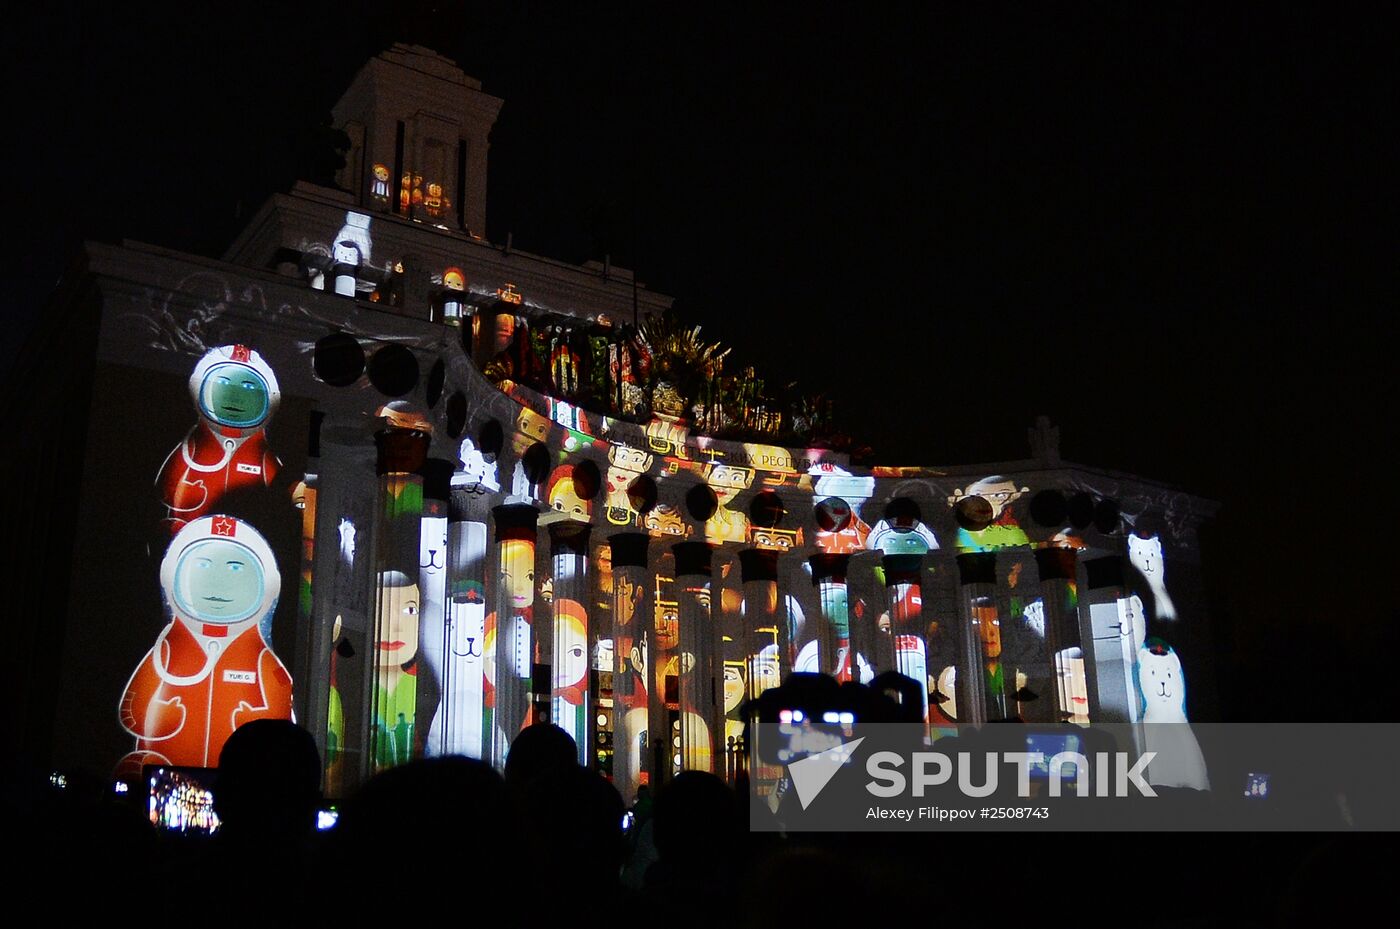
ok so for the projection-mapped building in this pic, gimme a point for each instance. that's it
(421, 489)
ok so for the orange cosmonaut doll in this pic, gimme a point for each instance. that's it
(210, 670)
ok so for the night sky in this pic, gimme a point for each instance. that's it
(1171, 230)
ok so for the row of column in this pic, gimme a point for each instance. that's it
(995, 644)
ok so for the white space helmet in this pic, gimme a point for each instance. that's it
(221, 571)
(234, 388)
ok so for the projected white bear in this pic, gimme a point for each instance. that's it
(1146, 556)
(1179, 762)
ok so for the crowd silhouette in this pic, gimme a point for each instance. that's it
(549, 842)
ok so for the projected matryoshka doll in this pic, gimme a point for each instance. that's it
(210, 670)
(236, 395)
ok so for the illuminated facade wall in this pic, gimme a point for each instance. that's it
(442, 558)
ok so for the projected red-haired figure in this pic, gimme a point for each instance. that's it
(210, 670)
(236, 394)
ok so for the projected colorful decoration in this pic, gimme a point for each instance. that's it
(210, 669)
(570, 685)
(444, 602)
(509, 638)
(562, 497)
(436, 204)
(1146, 556)
(235, 393)
(379, 184)
(1162, 683)
(395, 674)
(986, 520)
(725, 524)
(625, 465)
(839, 496)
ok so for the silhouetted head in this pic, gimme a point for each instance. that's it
(421, 805)
(696, 820)
(540, 750)
(269, 779)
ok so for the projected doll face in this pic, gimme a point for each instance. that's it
(219, 582)
(1159, 676)
(564, 499)
(468, 631)
(765, 669)
(667, 625)
(233, 395)
(453, 279)
(781, 540)
(381, 173)
(999, 493)
(988, 629)
(894, 541)
(571, 651)
(398, 632)
(727, 481)
(1146, 556)
(632, 460)
(733, 687)
(518, 572)
(663, 520)
(530, 427)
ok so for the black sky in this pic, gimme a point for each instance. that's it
(1169, 228)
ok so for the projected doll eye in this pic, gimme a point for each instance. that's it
(222, 380)
(235, 566)
(250, 385)
(202, 562)
(410, 609)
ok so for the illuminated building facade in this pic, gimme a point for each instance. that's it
(421, 489)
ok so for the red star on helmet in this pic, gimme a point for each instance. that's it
(224, 526)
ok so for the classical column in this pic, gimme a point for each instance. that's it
(1023, 651)
(632, 604)
(697, 685)
(570, 705)
(457, 725)
(344, 611)
(762, 644)
(1118, 629)
(311, 657)
(905, 594)
(866, 598)
(397, 629)
(1060, 602)
(977, 701)
(432, 588)
(833, 639)
(663, 640)
(509, 629)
